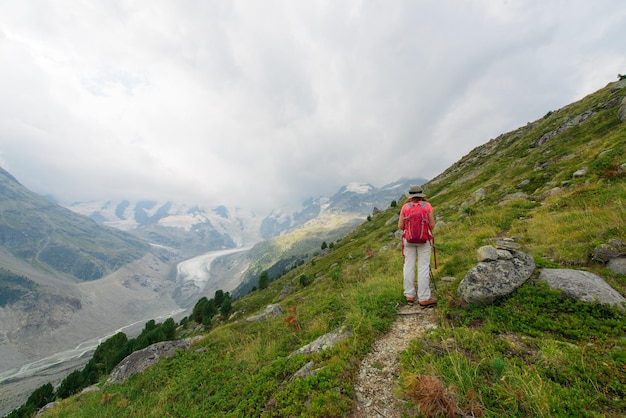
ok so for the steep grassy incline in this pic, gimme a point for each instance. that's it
(58, 241)
(559, 184)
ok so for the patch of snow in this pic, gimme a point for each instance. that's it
(183, 221)
(359, 188)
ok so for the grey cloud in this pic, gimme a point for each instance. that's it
(207, 100)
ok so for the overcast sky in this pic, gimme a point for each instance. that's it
(265, 103)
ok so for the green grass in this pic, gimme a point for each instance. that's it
(531, 354)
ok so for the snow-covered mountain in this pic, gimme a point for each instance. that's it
(359, 199)
(189, 229)
(194, 230)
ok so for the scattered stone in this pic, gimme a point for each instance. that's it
(617, 265)
(271, 311)
(393, 220)
(488, 281)
(582, 285)
(611, 103)
(325, 342)
(43, 409)
(504, 254)
(479, 194)
(568, 124)
(89, 389)
(621, 113)
(505, 243)
(552, 192)
(580, 173)
(286, 291)
(613, 249)
(487, 253)
(304, 372)
(517, 195)
(618, 85)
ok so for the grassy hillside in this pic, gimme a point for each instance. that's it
(557, 184)
(281, 254)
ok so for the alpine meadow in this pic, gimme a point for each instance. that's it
(556, 186)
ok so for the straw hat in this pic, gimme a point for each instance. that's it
(415, 191)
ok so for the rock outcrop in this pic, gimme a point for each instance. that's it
(583, 286)
(613, 254)
(621, 113)
(140, 360)
(498, 273)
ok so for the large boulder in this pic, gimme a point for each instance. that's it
(582, 285)
(495, 277)
(140, 360)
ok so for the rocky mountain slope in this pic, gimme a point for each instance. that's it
(53, 238)
(65, 279)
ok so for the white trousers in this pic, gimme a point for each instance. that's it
(421, 252)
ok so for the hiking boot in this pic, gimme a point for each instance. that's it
(410, 302)
(430, 303)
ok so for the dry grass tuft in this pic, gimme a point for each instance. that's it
(429, 395)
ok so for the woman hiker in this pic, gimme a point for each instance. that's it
(420, 251)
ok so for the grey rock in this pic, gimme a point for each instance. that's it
(580, 173)
(271, 311)
(324, 342)
(304, 372)
(618, 85)
(516, 195)
(552, 192)
(140, 360)
(582, 285)
(487, 253)
(488, 281)
(617, 265)
(506, 244)
(621, 113)
(504, 254)
(286, 291)
(393, 220)
(613, 249)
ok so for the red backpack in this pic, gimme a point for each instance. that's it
(417, 228)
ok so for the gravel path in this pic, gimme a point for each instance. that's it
(378, 376)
